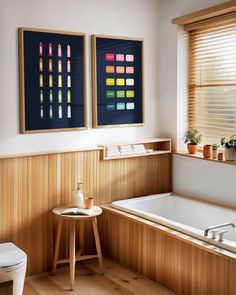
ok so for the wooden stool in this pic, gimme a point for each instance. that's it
(73, 257)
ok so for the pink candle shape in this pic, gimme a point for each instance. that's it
(68, 66)
(68, 51)
(59, 50)
(50, 49)
(59, 66)
(40, 49)
(50, 65)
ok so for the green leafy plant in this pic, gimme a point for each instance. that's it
(229, 143)
(215, 146)
(192, 136)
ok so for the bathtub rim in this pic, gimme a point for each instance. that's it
(213, 249)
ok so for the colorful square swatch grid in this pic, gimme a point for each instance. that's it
(53, 81)
(119, 81)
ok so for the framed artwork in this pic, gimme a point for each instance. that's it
(52, 81)
(118, 86)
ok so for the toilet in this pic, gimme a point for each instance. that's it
(13, 261)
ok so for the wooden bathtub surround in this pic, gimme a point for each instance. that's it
(183, 264)
(80, 255)
(31, 186)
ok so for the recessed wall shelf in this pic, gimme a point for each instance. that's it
(142, 148)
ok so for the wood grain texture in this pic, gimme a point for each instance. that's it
(180, 266)
(206, 13)
(116, 280)
(30, 187)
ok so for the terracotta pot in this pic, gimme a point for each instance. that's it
(220, 156)
(192, 148)
(207, 151)
(88, 203)
(214, 154)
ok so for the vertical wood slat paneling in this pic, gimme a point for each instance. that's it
(180, 266)
(30, 187)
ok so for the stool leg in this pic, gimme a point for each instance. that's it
(57, 245)
(98, 245)
(72, 253)
(81, 236)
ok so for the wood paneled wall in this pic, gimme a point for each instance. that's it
(178, 265)
(31, 186)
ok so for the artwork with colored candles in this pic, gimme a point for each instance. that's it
(117, 81)
(52, 80)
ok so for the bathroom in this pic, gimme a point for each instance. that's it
(143, 214)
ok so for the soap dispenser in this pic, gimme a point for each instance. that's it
(78, 197)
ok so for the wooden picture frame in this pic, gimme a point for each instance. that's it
(119, 46)
(65, 100)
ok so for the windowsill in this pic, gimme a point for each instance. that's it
(199, 156)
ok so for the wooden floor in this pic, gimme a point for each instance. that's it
(117, 280)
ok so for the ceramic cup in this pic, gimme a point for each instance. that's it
(88, 203)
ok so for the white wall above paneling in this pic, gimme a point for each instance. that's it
(133, 18)
(208, 180)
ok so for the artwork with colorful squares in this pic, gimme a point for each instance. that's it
(53, 70)
(118, 81)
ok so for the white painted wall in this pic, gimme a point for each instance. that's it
(211, 181)
(136, 18)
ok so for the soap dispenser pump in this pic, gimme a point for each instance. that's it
(78, 197)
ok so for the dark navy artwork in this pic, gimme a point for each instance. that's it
(118, 81)
(53, 80)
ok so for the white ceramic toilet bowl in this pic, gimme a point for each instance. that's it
(13, 261)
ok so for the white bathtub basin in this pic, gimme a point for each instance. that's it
(187, 215)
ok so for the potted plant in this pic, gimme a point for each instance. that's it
(192, 137)
(215, 147)
(230, 148)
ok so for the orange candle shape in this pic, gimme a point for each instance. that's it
(40, 49)
(59, 81)
(68, 81)
(41, 65)
(69, 111)
(40, 80)
(68, 66)
(50, 49)
(68, 49)
(59, 50)
(68, 96)
(59, 66)
(50, 65)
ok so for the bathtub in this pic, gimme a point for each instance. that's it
(184, 214)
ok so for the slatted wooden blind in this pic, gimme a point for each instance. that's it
(212, 82)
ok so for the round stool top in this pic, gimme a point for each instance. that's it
(11, 255)
(88, 213)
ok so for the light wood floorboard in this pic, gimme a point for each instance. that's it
(117, 280)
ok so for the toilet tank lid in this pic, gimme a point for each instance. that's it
(11, 255)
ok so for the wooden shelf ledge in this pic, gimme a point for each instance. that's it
(200, 156)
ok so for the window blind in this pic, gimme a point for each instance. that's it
(212, 82)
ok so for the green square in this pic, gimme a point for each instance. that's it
(120, 94)
(110, 94)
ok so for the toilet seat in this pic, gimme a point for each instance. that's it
(13, 261)
(10, 255)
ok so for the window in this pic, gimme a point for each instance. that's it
(212, 82)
